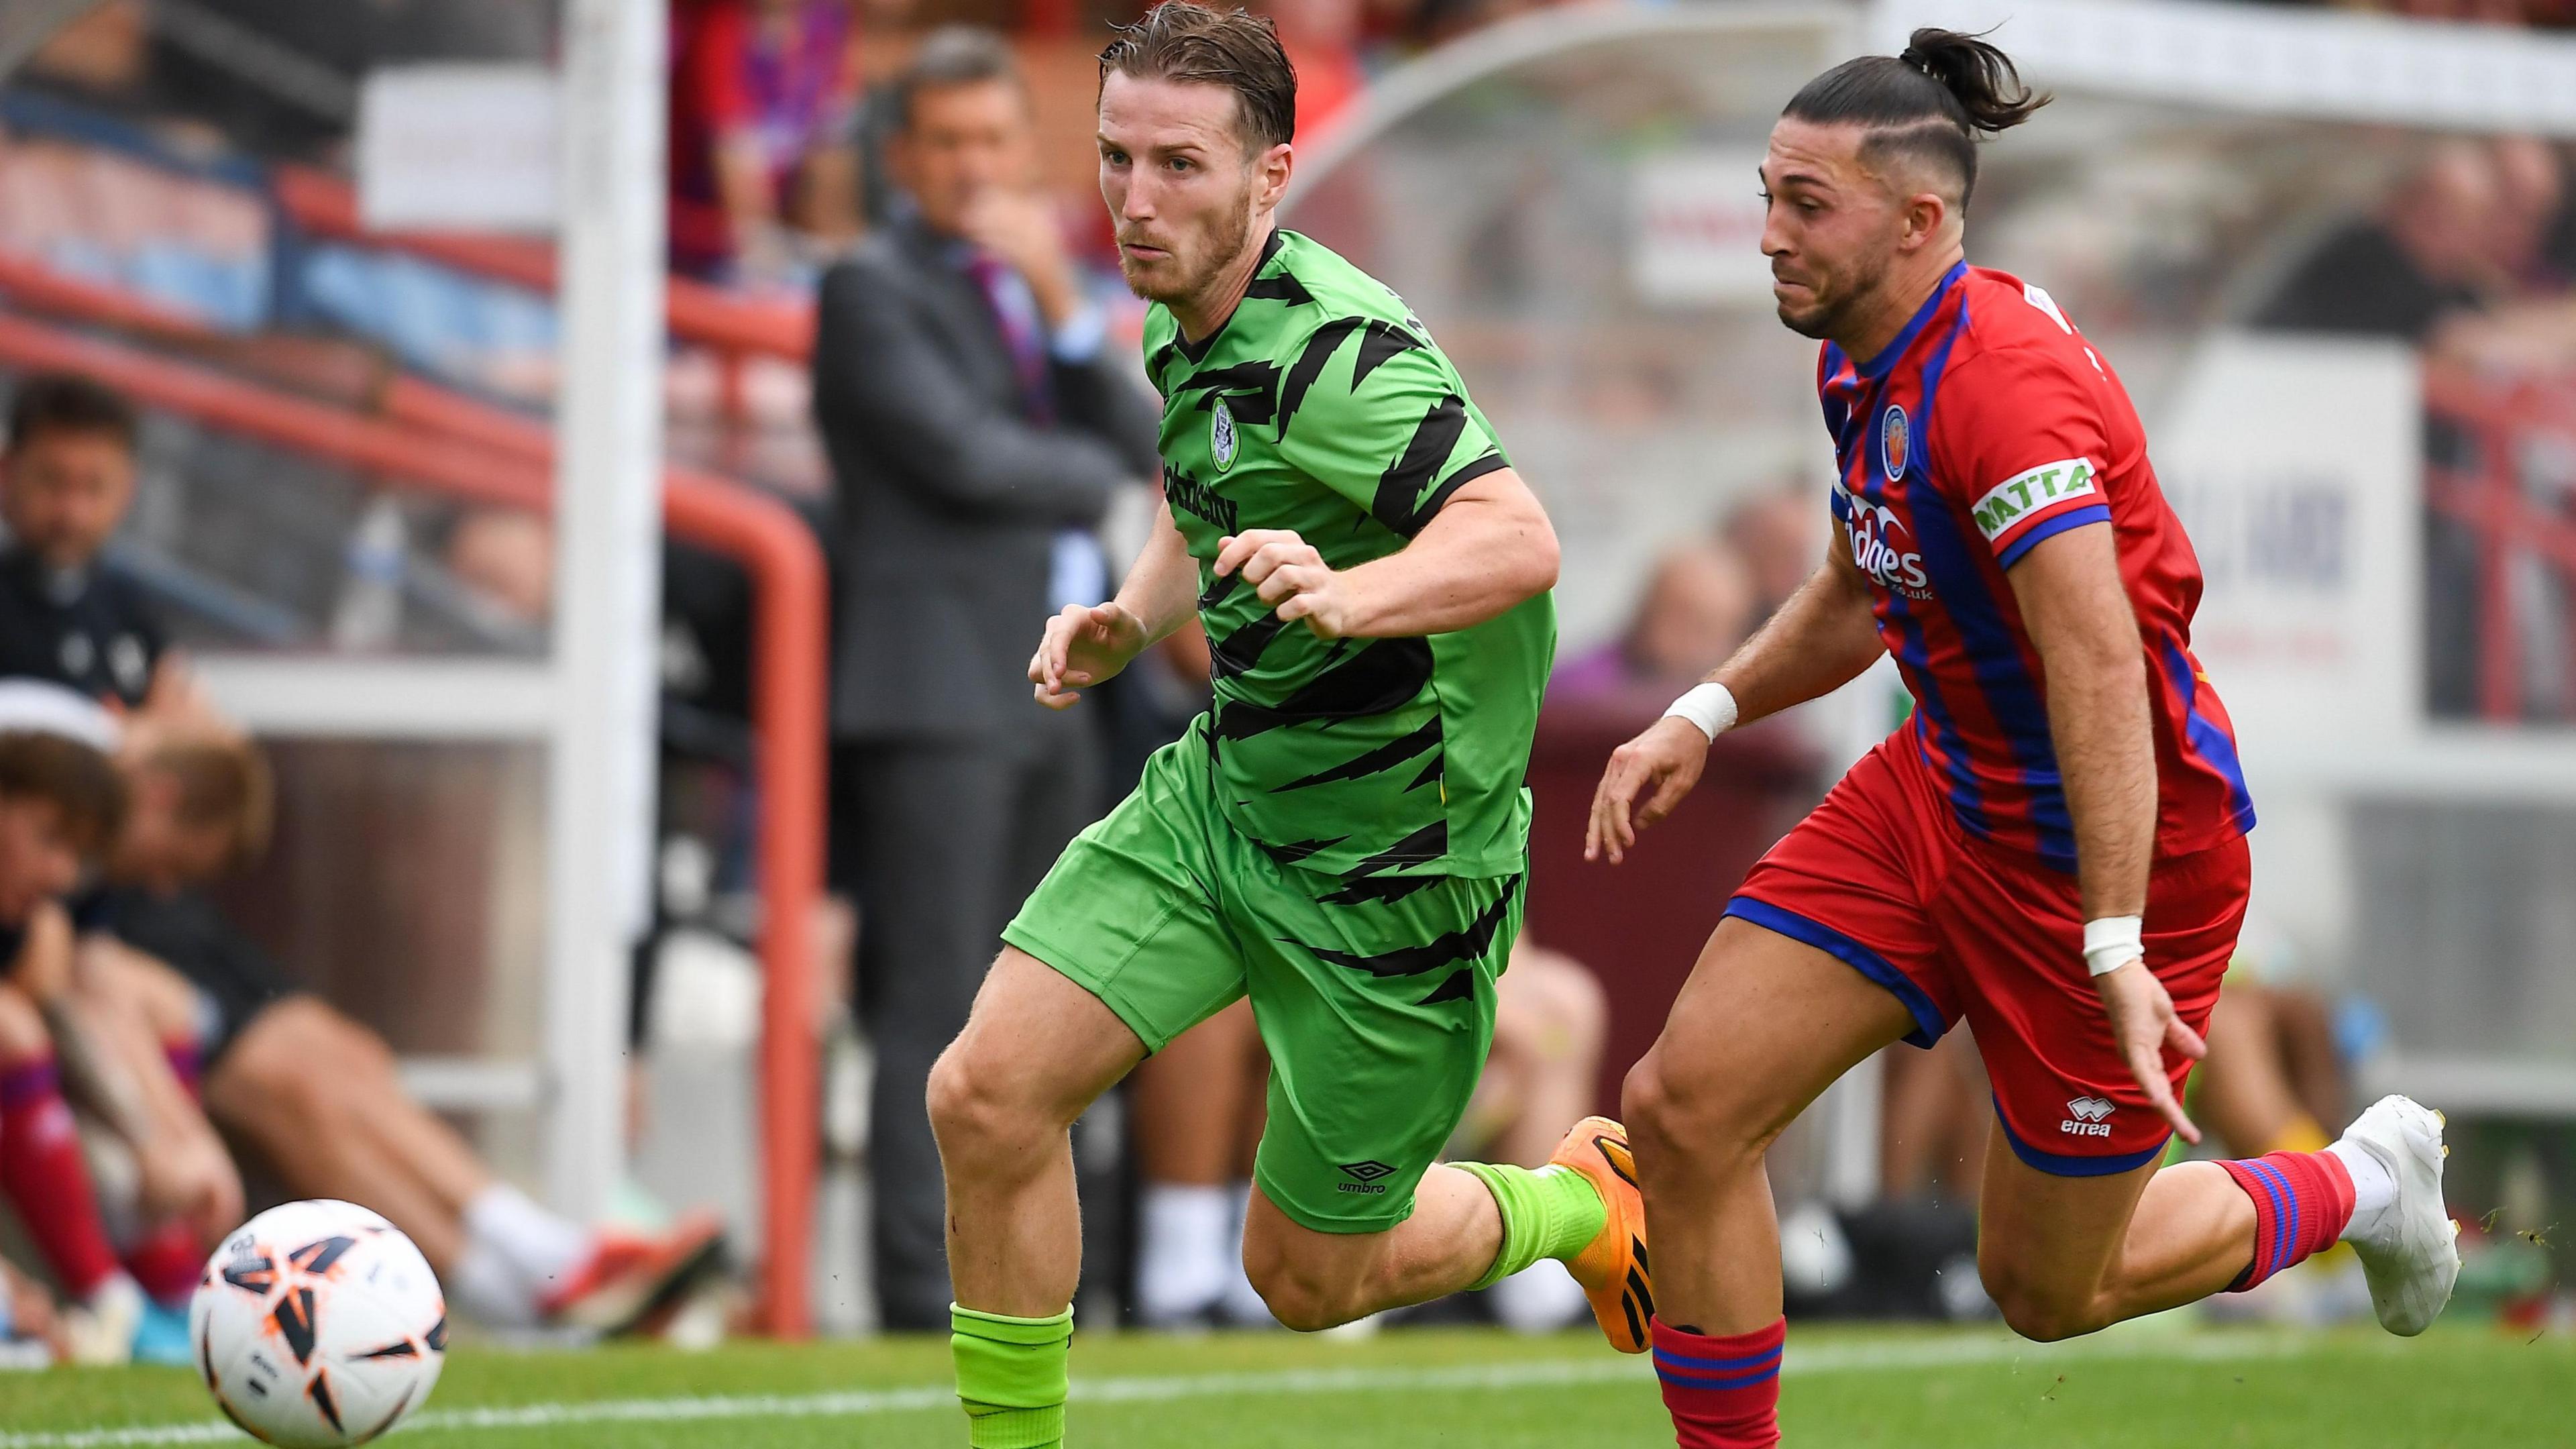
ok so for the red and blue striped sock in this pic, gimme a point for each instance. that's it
(44, 1176)
(2301, 1202)
(1722, 1391)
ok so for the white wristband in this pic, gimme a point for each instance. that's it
(1709, 706)
(2113, 942)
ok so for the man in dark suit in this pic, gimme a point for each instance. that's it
(977, 427)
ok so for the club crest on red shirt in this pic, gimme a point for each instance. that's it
(1894, 438)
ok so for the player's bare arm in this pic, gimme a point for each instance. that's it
(2082, 624)
(1820, 640)
(1087, 643)
(1489, 548)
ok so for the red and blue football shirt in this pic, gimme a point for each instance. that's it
(1987, 426)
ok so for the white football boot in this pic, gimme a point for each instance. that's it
(2408, 1249)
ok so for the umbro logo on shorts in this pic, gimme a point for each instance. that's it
(2088, 1117)
(1364, 1177)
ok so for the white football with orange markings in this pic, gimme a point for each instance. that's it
(318, 1324)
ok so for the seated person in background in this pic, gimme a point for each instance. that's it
(2273, 1081)
(315, 1095)
(1696, 609)
(60, 805)
(315, 1092)
(1777, 532)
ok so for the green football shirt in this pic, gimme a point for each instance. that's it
(1321, 406)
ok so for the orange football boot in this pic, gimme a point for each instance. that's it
(1612, 1268)
(632, 1278)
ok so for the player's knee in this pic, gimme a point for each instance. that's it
(347, 1045)
(973, 1112)
(1677, 1110)
(1299, 1297)
(2034, 1311)
(271, 1072)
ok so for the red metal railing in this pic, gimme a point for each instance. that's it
(733, 328)
(2502, 425)
(440, 440)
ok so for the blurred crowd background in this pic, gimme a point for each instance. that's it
(895, 311)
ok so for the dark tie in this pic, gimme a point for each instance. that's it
(1012, 311)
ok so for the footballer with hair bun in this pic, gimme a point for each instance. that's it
(2052, 847)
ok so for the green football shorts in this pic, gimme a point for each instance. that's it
(1375, 994)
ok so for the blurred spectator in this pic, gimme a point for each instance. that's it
(1322, 38)
(1780, 535)
(2427, 255)
(27, 1317)
(977, 426)
(1551, 1020)
(66, 479)
(2531, 200)
(763, 93)
(60, 804)
(314, 1093)
(1697, 608)
(1935, 1121)
(1195, 1114)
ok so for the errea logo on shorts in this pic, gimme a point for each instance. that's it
(2015, 498)
(2088, 1117)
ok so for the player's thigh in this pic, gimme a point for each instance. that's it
(1764, 1024)
(2067, 1101)
(1825, 955)
(1377, 1014)
(1037, 1050)
(1119, 950)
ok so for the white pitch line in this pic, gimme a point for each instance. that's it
(1826, 1358)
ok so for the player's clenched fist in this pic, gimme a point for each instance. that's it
(1084, 645)
(1289, 575)
(1647, 777)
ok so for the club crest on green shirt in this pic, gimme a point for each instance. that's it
(1221, 436)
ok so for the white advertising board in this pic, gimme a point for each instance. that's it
(2295, 464)
(1699, 228)
(458, 147)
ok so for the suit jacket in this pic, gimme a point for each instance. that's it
(948, 497)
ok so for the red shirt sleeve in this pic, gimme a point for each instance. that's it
(2019, 443)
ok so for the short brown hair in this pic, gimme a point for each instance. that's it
(77, 781)
(1194, 45)
(953, 55)
(66, 402)
(224, 785)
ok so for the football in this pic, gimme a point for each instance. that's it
(318, 1324)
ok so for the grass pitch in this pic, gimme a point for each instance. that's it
(2149, 1386)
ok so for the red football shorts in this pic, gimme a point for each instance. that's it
(1883, 877)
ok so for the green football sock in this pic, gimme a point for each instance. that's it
(1551, 1212)
(1011, 1376)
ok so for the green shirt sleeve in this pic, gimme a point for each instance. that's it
(1392, 431)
